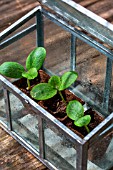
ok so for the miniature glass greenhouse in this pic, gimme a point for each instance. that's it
(76, 39)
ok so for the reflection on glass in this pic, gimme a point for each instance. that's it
(101, 153)
(3, 115)
(57, 44)
(58, 149)
(24, 122)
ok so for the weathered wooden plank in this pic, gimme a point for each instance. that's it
(10, 11)
(14, 156)
(99, 7)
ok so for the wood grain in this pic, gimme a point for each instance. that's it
(14, 156)
(10, 11)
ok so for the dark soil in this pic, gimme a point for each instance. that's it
(57, 108)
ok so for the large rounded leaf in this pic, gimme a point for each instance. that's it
(30, 74)
(67, 79)
(83, 121)
(54, 81)
(74, 110)
(43, 91)
(36, 58)
(12, 69)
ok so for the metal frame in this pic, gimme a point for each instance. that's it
(100, 131)
(83, 18)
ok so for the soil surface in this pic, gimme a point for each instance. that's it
(57, 107)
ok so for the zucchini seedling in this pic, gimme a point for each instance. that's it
(34, 62)
(75, 111)
(56, 84)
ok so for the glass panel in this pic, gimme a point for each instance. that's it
(57, 44)
(91, 68)
(19, 50)
(59, 150)
(101, 153)
(3, 115)
(21, 28)
(111, 93)
(24, 122)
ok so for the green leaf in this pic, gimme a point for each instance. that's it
(36, 58)
(43, 91)
(30, 74)
(12, 69)
(67, 79)
(74, 110)
(54, 81)
(83, 121)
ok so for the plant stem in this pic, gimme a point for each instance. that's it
(62, 97)
(87, 128)
(28, 84)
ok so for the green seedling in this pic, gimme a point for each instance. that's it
(56, 84)
(75, 111)
(34, 62)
